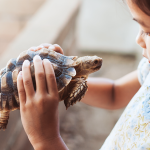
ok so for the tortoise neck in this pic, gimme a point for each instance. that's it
(80, 72)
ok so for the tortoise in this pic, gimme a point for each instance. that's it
(71, 73)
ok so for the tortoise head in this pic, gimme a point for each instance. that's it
(87, 65)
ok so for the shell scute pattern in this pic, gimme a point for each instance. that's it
(2, 72)
(7, 83)
(57, 71)
(26, 55)
(62, 81)
(11, 65)
(7, 93)
(44, 53)
(0, 103)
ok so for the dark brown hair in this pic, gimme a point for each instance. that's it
(144, 5)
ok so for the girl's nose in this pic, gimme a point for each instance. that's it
(140, 41)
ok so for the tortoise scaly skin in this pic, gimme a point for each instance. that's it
(71, 74)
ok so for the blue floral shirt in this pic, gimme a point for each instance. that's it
(132, 131)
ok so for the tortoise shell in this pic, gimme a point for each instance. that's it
(9, 100)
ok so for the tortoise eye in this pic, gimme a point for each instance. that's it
(95, 61)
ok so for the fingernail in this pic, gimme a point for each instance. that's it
(26, 63)
(46, 45)
(32, 48)
(39, 47)
(52, 47)
(37, 57)
(46, 60)
(20, 75)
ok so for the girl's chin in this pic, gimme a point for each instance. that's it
(148, 60)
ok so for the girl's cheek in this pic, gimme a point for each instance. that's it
(148, 43)
(148, 47)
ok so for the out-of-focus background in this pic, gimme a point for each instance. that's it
(82, 27)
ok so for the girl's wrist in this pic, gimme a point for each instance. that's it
(54, 143)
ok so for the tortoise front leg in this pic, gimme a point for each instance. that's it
(75, 91)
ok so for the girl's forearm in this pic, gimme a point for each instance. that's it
(109, 94)
(55, 144)
(100, 93)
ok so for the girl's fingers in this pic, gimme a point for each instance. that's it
(27, 79)
(50, 77)
(38, 48)
(58, 49)
(32, 48)
(54, 47)
(39, 75)
(21, 90)
(46, 45)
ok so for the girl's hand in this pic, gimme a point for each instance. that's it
(39, 109)
(54, 47)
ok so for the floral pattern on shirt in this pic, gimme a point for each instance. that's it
(132, 131)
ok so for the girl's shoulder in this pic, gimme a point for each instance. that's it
(143, 70)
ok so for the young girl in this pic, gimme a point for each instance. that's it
(39, 110)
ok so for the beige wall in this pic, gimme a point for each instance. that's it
(13, 16)
(107, 26)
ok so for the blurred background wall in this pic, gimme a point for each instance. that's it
(13, 16)
(106, 26)
(88, 27)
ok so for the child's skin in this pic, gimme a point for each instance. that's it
(39, 110)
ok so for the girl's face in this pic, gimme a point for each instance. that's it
(143, 37)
